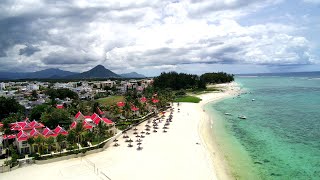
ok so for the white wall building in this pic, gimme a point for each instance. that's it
(2, 86)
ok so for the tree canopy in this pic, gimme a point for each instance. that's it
(61, 93)
(176, 81)
(37, 111)
(56, 117)
(216, 78)
(9, 106)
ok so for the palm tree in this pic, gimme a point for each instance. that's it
(50, 142)
(31, 141)
(88, 136)
(78, 132)
(101, 130)
(39, 142)
(71, 137)
(60, 140)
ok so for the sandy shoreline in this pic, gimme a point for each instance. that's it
(220, 165)
(185, 151)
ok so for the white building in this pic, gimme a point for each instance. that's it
(32, 87)
(2, 86)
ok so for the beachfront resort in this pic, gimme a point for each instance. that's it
(100, 139)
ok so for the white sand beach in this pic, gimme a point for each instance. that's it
(183, 152)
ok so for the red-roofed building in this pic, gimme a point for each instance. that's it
(78, 115)
(87, 125)
(97, 120)
(59, 106)
(155, 101)
(90, 122)
(134, 108)
(73, 124)
(37, 125)
(47, 132)
(120, 104)
(10, 136)
(60, 130)
(107, 121)
(21, 142)
(34, 133)
(143, 99)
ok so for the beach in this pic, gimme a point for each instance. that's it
(185, 151)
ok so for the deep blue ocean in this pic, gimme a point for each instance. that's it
(281, 135)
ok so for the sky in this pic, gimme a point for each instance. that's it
(152, 36)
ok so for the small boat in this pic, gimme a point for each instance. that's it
(229, 114)
(253, 100)
(242, 117)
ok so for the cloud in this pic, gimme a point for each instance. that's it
(312, 1)
(67, 58)
(77, 35)
(28, 50)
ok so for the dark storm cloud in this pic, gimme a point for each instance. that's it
(29, 50)
(67, 58)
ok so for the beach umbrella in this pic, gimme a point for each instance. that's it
(154, 130)
(127, 140)
(147, 129)
(139, 143)
(115, 140)
(116, 144)
(130, 140)
(139, 148)
(142, 132)
(135, 129)
(142, 136)
(130, 145)
(164, 131)
(135, 133)
(137, 136)
(147, 133)
(138, 140)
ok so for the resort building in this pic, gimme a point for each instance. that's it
(90, 122)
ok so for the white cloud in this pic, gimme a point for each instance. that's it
(312, 1)
(124, 35)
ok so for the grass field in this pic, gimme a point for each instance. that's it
(110, 100)
(191, 99)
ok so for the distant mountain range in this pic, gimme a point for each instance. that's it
(132, 75)
(43, 74)
(53, 73)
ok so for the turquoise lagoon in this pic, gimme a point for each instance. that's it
(280, 139)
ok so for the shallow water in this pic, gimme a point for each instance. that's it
(281, 135)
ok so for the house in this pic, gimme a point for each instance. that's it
(25, 129)
(89, 122)
(2, 86)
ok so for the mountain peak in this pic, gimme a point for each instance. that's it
(99, 67)
(98, 71)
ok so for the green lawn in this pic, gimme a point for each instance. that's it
(110, 100)
(191, 99)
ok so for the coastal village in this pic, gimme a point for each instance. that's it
(31, 94)
(46, 122)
